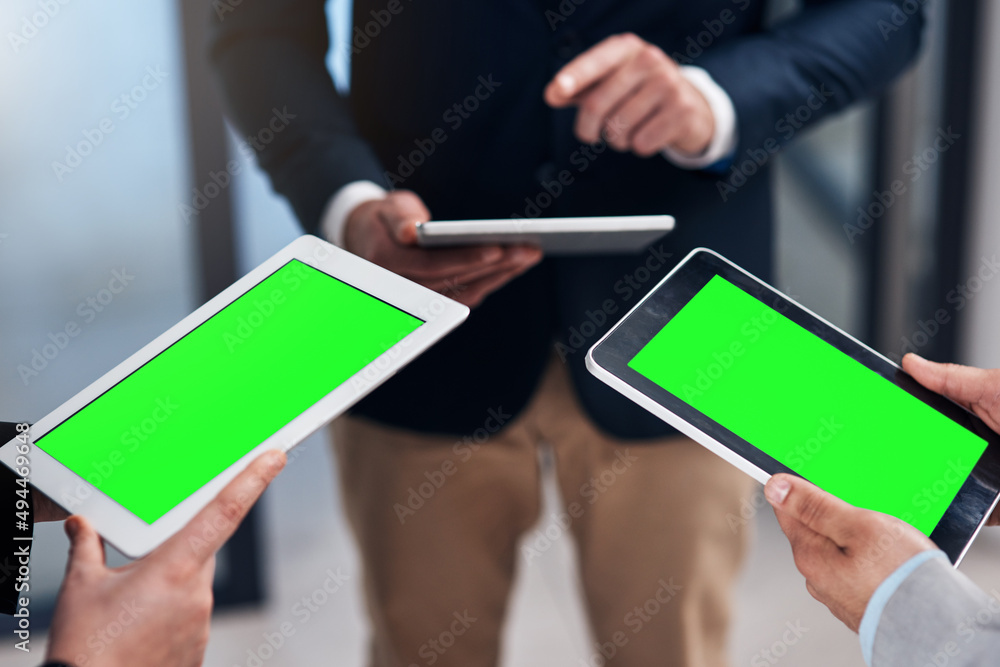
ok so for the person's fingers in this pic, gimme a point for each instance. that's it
(45, 508)
(811, 551)
(86, 549)
(813, 591)
(654, 134)
(515, 258)
(401, 212)
(963, 384)
(429, 264)
(821, 512)
(648, 108)
(478, 291)
(216, 523)
(206, 575)
(603, 99)
(590, 67)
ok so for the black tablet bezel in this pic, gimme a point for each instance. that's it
(977, 495)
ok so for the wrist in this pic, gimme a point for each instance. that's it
(342, 207)
(722, 143)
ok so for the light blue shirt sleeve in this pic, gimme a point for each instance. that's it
(882, 595)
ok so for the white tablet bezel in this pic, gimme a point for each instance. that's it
(133, 536)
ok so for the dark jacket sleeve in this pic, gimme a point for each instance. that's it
(270, 57)
(822, 59)
(10, 528)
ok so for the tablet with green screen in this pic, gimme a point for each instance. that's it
(772, 387)
(263, 365)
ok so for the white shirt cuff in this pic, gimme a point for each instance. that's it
(723, 142)
(880, 598)
(343, 202)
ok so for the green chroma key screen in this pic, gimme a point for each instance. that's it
(189, 413)
(810, 406)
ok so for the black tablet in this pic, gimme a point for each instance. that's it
(772, 387)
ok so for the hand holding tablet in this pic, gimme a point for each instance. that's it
(263, 365)
(163, 601)
(771, 387)
(384, 231)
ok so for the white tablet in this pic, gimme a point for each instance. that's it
(771, 387)
(556, 236)
(261, 366)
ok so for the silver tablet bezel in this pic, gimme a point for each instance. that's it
(579, 235)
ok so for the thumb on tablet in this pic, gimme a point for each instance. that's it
(214, 525)
(402, 211)
(974, 388)
(814, 508)
(86, 549)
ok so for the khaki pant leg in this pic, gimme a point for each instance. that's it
(437, 525)
(659, 552)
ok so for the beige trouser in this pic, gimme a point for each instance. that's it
(439, 523)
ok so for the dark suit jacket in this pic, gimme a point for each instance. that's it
(473, 73)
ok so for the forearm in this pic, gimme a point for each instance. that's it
(938, 616)
(270, 56)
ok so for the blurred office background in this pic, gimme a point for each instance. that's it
(137, 68)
